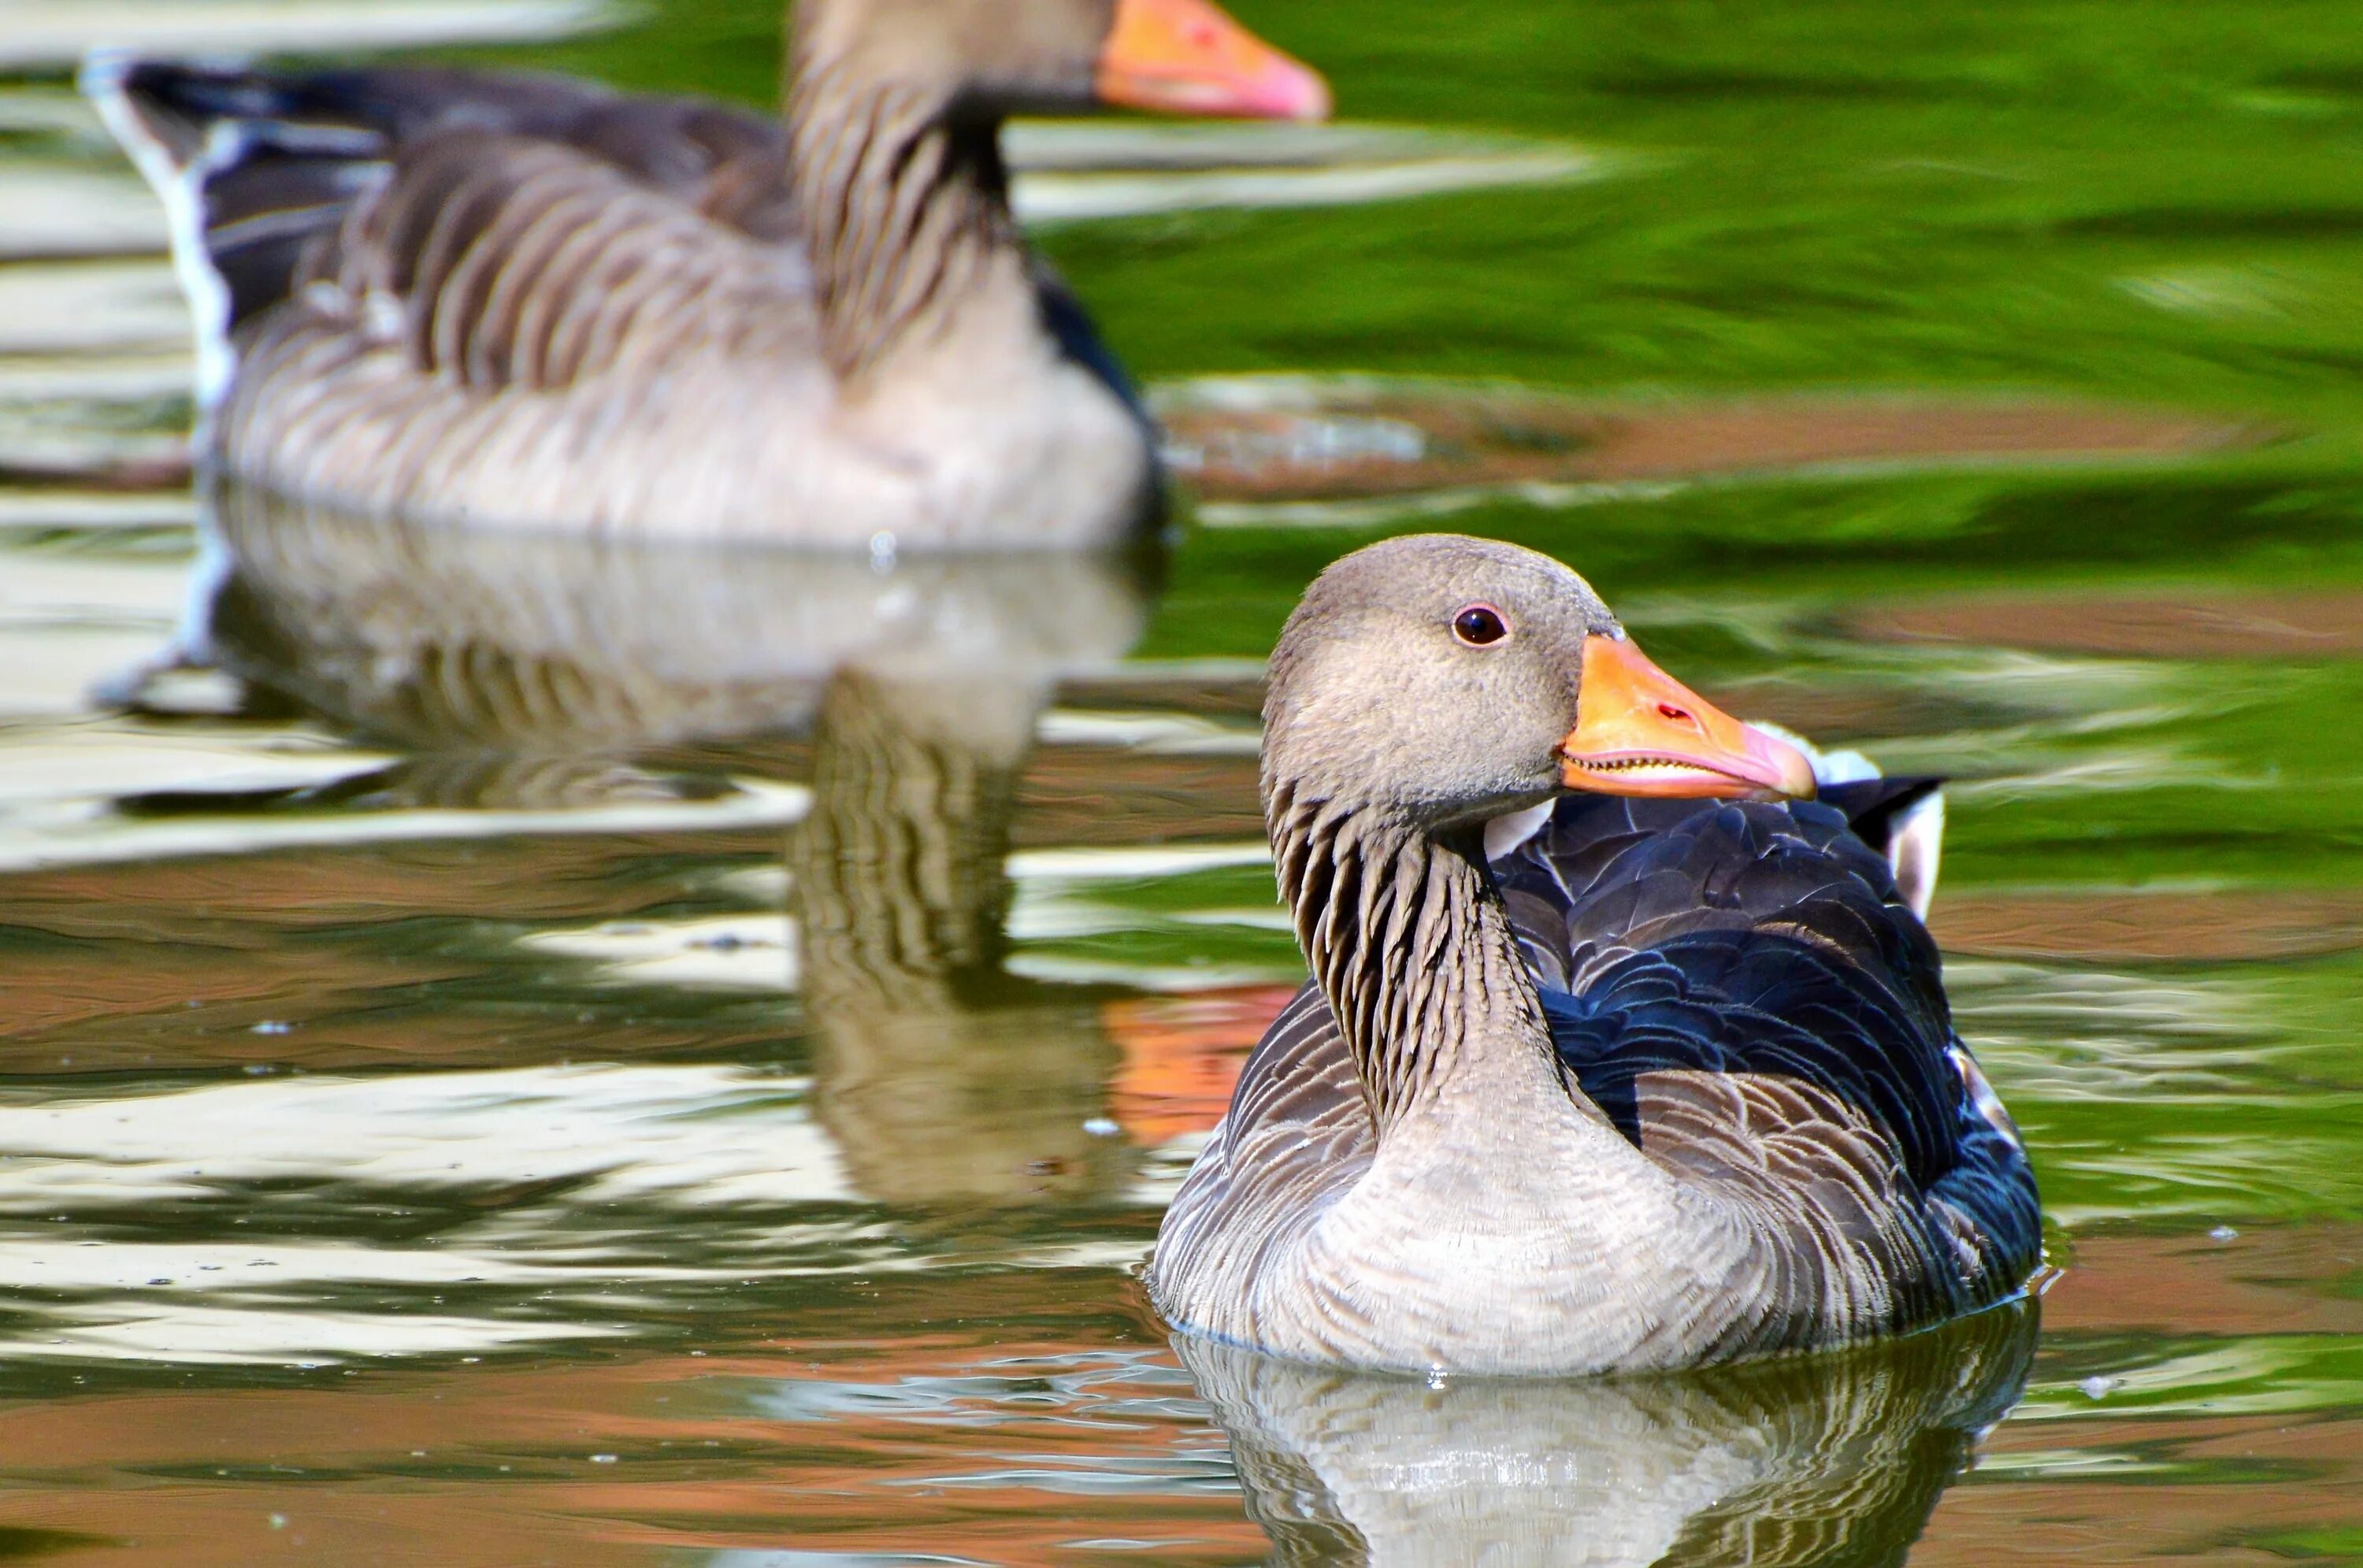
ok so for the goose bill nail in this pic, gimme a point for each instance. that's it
(1640, 731)
(1186, 57)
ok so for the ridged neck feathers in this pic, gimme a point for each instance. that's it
(904, 201)
(1409, 940)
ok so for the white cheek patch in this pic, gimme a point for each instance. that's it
(1505, 832)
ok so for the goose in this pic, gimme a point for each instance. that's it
(1620, 1051)
(521, 299)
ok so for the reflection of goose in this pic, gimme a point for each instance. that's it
(529, 644)
(1613, 1084)
(545, 663)
(1829, 1460)
(944, 1076)
(520, 299)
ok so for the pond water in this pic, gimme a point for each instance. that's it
(528, 1055)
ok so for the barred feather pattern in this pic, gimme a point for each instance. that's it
(899, 877)
(1405, 938)
(906, 211)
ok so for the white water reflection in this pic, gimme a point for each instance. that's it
(605, 1158)
(84, 306)
(1827, 1459)
(750, 953)
(1072, 170)
(52, 33)
(704, 1135)
(63, 213)
(67, 783)
(583, 1142)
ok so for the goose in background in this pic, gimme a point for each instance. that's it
(521, 299)
(1820, 1461)
(523, 671)
(1613, 1058)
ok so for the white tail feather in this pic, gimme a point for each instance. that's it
(1915, 843)
(181, 187)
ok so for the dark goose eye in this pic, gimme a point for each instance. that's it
(1480, 624)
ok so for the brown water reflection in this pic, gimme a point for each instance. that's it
(1288, 438)
(2297, 623)
(1030, 1418)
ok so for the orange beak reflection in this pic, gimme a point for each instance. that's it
(1186, 57)
(1640, 731)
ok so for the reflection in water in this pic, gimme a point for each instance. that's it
(1824, 1460)
(943, 1077)
(534, 672)
(450, 640)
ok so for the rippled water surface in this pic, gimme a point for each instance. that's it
(525, 1054)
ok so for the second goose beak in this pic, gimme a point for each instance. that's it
(1187, 57)
(1640, 731)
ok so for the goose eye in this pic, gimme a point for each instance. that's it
(1479, 626)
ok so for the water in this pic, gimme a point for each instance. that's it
(498, 1073)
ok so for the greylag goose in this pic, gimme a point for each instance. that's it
(523, 300)
(1608, 1061)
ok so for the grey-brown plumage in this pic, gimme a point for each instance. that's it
(522, 300)
(1671, 1081)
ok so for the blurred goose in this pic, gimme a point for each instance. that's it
(1611, 1057)
(524, 300)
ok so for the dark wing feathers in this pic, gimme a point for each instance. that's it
(454, 170)
(1873, 806)
(1744, 939)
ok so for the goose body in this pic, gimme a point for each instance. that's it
(1664, 1077)
(526, 300)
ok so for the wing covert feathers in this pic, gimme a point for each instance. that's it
(507, 229)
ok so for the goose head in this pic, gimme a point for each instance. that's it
(1454, 680)
(1177, 57)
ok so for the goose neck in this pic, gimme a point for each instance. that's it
(904, 203)
(1409, 939)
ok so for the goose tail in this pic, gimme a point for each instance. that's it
(252, 169)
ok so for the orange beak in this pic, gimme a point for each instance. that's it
(1640, 731)
(1186, 57)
